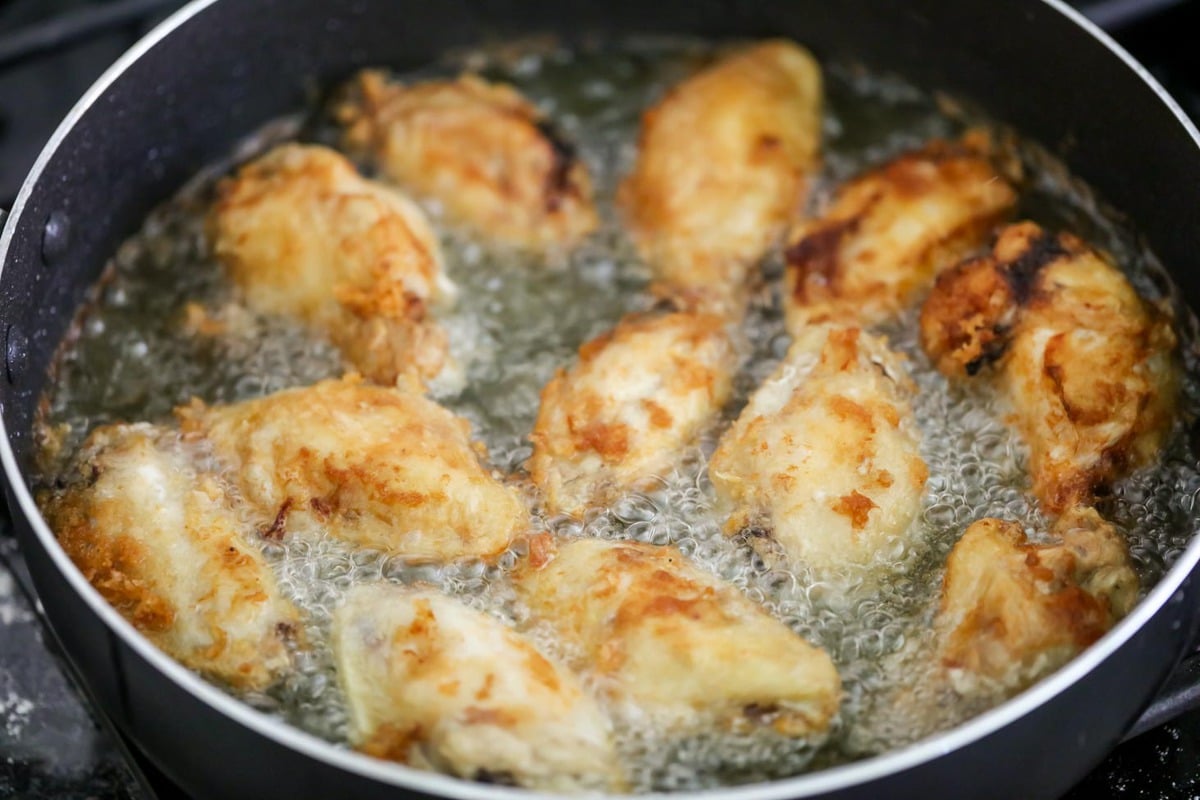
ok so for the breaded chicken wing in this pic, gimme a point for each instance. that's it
(1086, 366)
(163, 546)
(481, 150)
(376, 466)
(825, 459)
(676, 644)
(885, 234)
(302, 234)
(1012, 611)
(636, 398)
(433, 683)
(724, 162)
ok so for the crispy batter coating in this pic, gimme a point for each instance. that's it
(724, 162)
(435, 684)
(162, 545)
(376, 466)
(1086, 366)
(1012, 611)
(676, 643)
(824, 461)
(886, 233)
(637, 397)
(481, 150)
(303, 234)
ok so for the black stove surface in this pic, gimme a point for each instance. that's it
(52, 743)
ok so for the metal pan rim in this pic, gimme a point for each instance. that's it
(810, 785)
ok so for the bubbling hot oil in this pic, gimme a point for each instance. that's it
(517, 321)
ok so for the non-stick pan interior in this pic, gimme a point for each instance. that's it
(232, 66)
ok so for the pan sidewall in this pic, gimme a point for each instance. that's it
(163, 116)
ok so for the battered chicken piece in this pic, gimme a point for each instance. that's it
(886, 233)
(724, 162)
(435, 684)
(302, 234)
(637, 397)
(1012, 611)
(162, 545)
(481, 150)
(824, 462)
(674, 643)
(1086, 366)
(379, 467)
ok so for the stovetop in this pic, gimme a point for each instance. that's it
(52, 743)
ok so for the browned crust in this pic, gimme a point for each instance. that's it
(1026, 602)
(358, 492)
(821, 260)
(208, 613)
(769, 94)
(970, 316)
(577, 419)
(627, 594)
(857, 507)
(541, 196)
(393, 742)
(966, 321)
(382, 327)
(112, 564)
(979, 309)
(816, 259)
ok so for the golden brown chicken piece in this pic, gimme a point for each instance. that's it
(825, 460)
(302, 234)
(1086, 366)
(885, 234)
(1012, 611)
(724, 162)
(435, 684)
(379, 467)
(674, 643)
(481, 150)
(637, 397)
(163, 546)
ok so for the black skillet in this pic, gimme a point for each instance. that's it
(220, 68)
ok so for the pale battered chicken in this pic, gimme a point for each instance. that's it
(435, 684)
(637, 397)
(1086, 366)
(302, 234)
(886, 233)
(163, 545)
(1012, 611)
(724, 162)
(670, 642)
(481, 150)
(825, 459)
(379, 467)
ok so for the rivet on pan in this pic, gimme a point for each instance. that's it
(16, 353)
(56, 237)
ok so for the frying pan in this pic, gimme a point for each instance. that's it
(219, 68)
